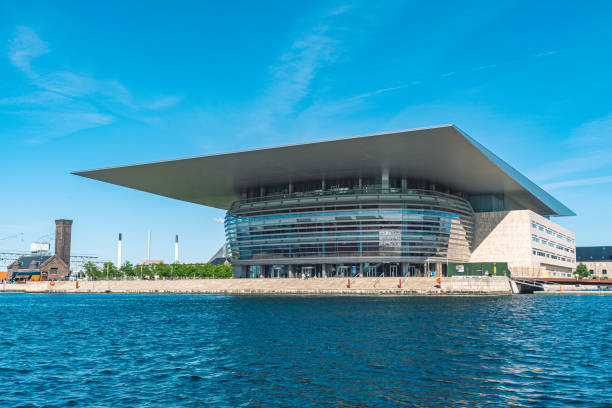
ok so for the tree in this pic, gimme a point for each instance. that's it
(582, 271)
(110, 270)
(91, 270)
(162, 270)
(145, 271)
(128, 270)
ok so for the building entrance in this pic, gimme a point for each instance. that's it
(312, 271)
(394, 269)
(342, 271)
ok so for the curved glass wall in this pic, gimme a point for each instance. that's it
(368, 225)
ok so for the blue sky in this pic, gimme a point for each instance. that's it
(87, 85)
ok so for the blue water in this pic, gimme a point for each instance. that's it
(208, 350)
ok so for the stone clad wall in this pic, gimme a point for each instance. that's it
(506, 236)
(503, 236)
(359, 286)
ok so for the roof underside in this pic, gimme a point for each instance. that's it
(443, 155)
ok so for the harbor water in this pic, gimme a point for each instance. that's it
(110, 350)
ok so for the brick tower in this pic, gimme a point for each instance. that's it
(63, 231)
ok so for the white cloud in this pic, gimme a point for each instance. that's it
(578, 182)
(341, 9)
(24, 47)
(218, 220)
(66, 102)
(164, 102)
(594, 133)
(590, 147)
(57, 124)
(293, 74)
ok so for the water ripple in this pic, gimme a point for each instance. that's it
(229, 351)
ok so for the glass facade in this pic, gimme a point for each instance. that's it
(348, 223)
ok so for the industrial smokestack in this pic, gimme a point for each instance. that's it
(63, 233)
(149, 246)
(119, 252)
(176, 249)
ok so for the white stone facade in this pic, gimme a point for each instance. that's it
(531, 244)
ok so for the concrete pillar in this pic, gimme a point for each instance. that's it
(438, 269)
(404, 184)
(323, 185)
(262, 191)
(385, 179)
(324, 271)
(290, 188)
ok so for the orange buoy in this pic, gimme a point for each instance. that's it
(51, 283)
(349, 284)
(438, 281)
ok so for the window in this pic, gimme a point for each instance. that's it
(541, 228)
(590, 271)
(604, 271)
(533, 225)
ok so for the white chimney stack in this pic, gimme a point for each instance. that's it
(176, 249)
(119, 252)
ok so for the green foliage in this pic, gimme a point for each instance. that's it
(582, 271)
(128, 270)
(157, 271)
(110, 271)
(92, 270)
(199, 270)
(162, 271)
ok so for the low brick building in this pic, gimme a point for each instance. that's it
(37, 267)
(40, 265)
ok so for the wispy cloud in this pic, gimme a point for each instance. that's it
(66, 102)
(578, 182)
(546, 53)
(293, 76)
(24, 47)
(341, 9)
(354, 100)
(590, 147)
(218, 220)
(164, 102)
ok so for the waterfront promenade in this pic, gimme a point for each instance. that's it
(340, 286)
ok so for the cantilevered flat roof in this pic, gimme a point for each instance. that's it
(442, 154)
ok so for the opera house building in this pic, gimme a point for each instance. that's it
(422, 202)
